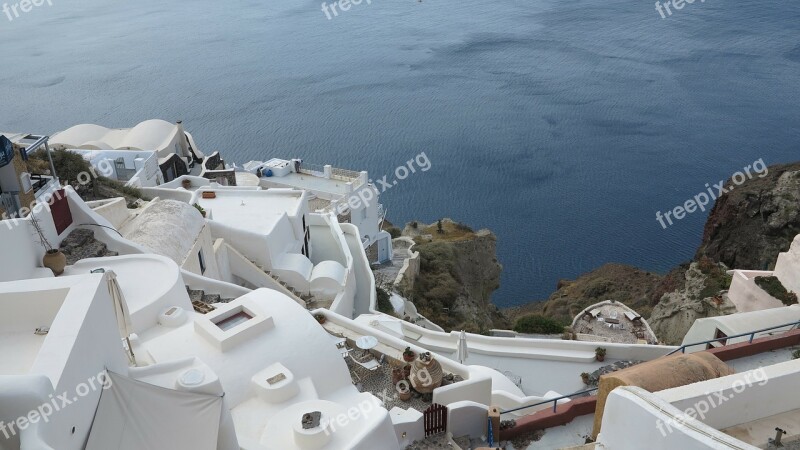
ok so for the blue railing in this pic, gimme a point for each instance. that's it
(751, 335)
(554, 401)
(682, 349)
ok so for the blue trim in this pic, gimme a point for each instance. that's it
(6, 151)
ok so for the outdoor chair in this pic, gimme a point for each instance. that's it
(370, 366)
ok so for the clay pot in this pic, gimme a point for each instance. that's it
(426, 374)
(55, 261)
(186, 183)
(407, 371)
(403, 390)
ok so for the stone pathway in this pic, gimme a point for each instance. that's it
(81, 244)
(594, 377)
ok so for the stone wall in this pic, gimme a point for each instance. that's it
(659, 374)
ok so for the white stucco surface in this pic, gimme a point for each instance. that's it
(167, 227)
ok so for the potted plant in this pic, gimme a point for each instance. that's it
(200, 208)
(403, 390)
(320, 318)
(585, 378)
(600, 353)
(409, 355)
(186, 183)
(53, 258)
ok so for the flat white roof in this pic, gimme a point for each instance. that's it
(310, 183)
(256, 211)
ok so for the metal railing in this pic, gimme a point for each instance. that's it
(751, 335)
(554, 401)
(312, 169)
(344, 173)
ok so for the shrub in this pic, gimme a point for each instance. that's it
(774, 287)
(796, 354)
(464, 227)
(395, 232)
(384, 304)
(537, 324)
(68, 165)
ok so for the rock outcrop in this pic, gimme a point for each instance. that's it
(459, 271)
(633, 287)
(752, 223)
(747, 228)
(699, 297)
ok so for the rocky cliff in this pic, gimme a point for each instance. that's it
(752, 223)
(747, 229)
(634, 287)
(458, 273)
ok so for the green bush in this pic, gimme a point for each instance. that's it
(384, 305)
(395, 232)
(464, 227)
(537, 324)
(68, 165)
(774, 287)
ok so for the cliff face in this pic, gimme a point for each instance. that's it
(458, 273)
(747, 228)
(629, 285)
(751, 224)
(698, 297)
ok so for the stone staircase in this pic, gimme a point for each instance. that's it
(81, 244)
(201, 296)
(202, 302)
(306, 298)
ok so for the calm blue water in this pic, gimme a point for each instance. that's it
(561, 125)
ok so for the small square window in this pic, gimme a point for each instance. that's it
(237, 317)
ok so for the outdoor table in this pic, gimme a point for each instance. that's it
(366, 343)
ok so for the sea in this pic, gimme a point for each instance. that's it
(563, 126)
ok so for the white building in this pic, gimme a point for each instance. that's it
(176, 151)
(137, 168)
(346, 193)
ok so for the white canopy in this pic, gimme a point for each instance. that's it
(463, 351)
(134, 415)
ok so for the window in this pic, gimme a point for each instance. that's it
(202, 261)
(720, 335)
(238, 317)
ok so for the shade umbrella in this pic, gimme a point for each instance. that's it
(463, 352)
(121, 311)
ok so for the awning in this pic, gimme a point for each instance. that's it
(134, 415)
